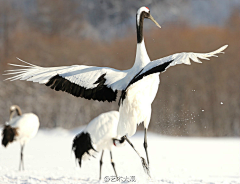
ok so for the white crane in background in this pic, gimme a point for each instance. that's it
(139, 84)
(21, 128)
(99, 135)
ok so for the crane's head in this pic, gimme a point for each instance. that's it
(144, 12)
(14, 108)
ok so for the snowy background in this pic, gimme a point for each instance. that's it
(173, 160)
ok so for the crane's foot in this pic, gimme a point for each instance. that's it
(145, 167)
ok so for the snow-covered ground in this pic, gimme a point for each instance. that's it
(49, 159)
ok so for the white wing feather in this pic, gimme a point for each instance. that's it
(86, 76)
(81, 75)
(182, 58)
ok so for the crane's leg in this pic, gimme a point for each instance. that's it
(21, 159)
(145, 144)
(144, 163)
(113, 164)
(101, 165)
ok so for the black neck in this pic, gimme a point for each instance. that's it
(19, 112)
(140, 28)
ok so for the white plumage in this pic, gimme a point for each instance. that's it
(136, 108)
(98, 136)
(139, 84)
(26, 125)
(81, 75)
(21, 128)
(102, 129)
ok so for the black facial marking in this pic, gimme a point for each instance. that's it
(140, 26)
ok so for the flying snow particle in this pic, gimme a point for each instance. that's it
(221, 103)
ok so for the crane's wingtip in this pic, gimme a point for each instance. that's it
(26, 62)
(224, 47)
(221, 49)
(19, 59)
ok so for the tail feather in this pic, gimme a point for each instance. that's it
(8, 134)
(82, 144)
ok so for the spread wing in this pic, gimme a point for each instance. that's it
(160, 65)
(90, 82)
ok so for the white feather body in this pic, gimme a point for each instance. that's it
(102, 129)
(26, 125)
(136, 107)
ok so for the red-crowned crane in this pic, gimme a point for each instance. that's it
(98, 136)
(21, 128)
(138, 84)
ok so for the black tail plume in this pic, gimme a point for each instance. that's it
(8, 134)
(82, 143)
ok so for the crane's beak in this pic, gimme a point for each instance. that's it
(151, 18)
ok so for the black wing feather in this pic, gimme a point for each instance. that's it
(100, 93)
